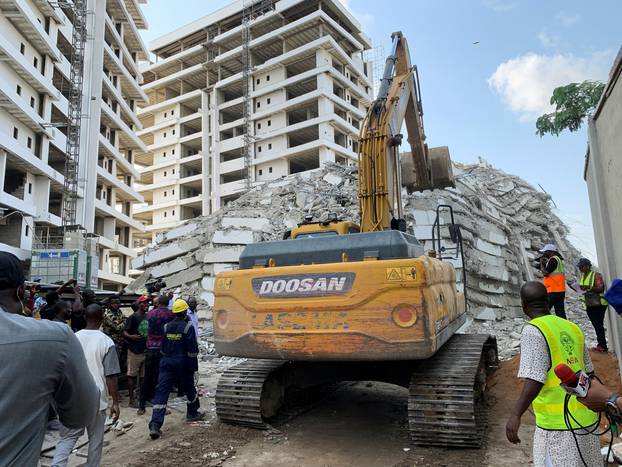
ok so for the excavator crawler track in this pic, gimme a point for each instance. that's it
(446, 403)
(240, 395)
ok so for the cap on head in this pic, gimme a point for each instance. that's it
(142, 299)
(584, 262)
(11, 271)
(548, 247)
(179, 306)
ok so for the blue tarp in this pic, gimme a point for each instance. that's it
(614, 295)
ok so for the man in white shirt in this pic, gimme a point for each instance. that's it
(103, 363)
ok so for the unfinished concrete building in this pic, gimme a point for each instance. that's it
(36, 47)
(250, 93)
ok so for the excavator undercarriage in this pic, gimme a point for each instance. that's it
(446, 401)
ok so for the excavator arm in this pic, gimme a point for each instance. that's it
(380, 177)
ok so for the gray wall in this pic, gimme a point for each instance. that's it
(603, 175)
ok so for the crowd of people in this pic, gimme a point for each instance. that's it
(60, 362)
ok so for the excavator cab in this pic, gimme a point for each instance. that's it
(332, 226)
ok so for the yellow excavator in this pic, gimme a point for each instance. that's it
(340, 301)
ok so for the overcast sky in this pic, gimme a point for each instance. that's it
(482, 99)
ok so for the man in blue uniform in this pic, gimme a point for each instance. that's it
(177, 365)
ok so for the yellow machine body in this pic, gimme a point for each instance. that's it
(401, 309)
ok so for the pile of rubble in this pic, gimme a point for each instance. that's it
(504, 221)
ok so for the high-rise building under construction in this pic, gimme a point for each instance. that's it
(68, 128)
(252, 92)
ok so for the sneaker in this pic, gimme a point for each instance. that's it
(140, 412)
(195, 417)
(154, 432)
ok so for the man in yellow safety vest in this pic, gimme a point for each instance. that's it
(547, 341)
(593, 286)
(554, 271)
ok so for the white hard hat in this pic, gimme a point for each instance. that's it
(548, 247)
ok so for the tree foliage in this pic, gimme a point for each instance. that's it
(573, 103)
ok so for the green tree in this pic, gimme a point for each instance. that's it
(573, 103)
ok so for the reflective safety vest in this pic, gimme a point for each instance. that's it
(556, 281)
(588, 280)
(566, 345)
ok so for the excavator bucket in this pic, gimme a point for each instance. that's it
(442, 175)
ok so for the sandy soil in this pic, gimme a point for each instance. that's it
(360, 424)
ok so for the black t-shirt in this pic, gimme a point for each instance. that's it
(136, 324)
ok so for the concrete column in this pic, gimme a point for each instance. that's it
(109, 227)
(215, 154)
(41, 194)
(325, 83)
(27, 233)
(206, 152)
(323, 57)
(2, 169)
(91, 106)
(325, 106)
(326, 155)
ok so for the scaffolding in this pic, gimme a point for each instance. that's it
(251, 9)
(77, 11)
(375, 59)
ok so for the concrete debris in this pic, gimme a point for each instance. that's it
(503, 220)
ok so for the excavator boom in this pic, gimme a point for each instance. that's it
(380, 177)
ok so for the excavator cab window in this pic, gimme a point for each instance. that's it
(324, 233)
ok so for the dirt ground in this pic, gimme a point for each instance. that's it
(360, 424)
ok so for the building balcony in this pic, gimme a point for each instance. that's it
(106, 210)
(16, 106)
(21, 15)
(106, 148)
(191, 99)
(124, 192)
(9, 54)
(24, 158)
(131, 35)
(129, 85)
(125, 108)
(127, 136)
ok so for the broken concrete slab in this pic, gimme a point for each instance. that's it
(168, 251)
(332, 179)
(194, 273)
(233, 237)
(220, 255)
(176, 232)
(487, 247)
(252, 223)
(171, 267)
(487, 315)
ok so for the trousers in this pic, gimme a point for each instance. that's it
(69, 438)
(173, 371)
(556, 301)
(150, 381)
(597, 317)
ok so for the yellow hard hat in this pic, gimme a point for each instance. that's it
(179, 306)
